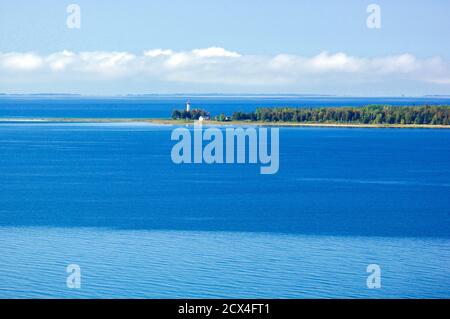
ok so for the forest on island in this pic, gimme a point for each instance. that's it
(371, 114)
(189, 115)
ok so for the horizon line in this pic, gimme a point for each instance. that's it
(187, 94)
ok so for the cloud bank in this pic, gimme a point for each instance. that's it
(219, 66)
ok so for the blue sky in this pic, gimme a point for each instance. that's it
(411, 44)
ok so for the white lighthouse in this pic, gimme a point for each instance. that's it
(188, 106)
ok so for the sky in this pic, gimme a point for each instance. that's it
(225, 46)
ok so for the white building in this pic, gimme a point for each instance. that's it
(188, 106)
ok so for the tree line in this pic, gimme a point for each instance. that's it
(371, 114)
(189, 115)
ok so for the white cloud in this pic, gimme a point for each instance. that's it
(59, 61)
(217, 66)
(20, 61)
(109, 64)
(178, 60)
(404, 63)
(157, 52)
(325, 62)
(215, 52)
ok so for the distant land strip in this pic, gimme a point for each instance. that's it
(371, 116)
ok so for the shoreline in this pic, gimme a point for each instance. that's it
(219, 123)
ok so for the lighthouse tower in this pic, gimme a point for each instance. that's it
(188, 106)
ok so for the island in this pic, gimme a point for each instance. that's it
(370, 116)
(366, 116)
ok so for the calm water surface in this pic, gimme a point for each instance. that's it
(109, 198)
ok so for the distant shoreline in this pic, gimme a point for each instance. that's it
(219, 123)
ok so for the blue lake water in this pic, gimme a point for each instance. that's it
(109, 198)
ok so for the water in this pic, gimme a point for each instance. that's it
(162, 106)
(189, 264)
(108, 198)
